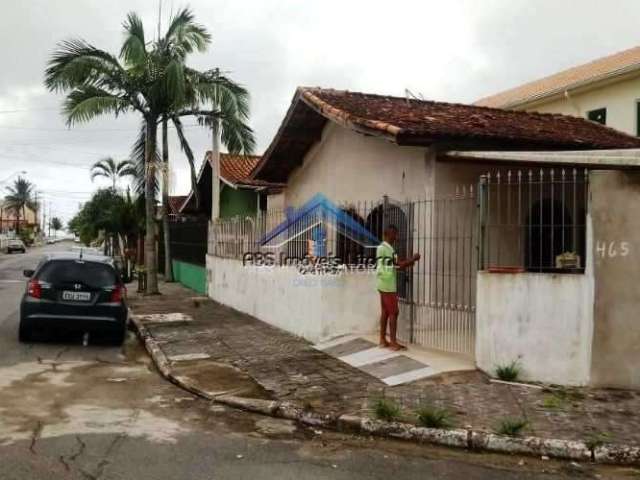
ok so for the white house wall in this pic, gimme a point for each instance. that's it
(349, 167)
(311, 306)
(544, 321)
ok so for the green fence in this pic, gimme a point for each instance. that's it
(190, 275)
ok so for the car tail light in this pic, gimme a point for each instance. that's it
(118, 293)
(34, 288)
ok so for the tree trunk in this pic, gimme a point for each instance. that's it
(168, 273)
(150, 253)
(17, 222)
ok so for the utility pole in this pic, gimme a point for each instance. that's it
(215, 169)
(49, 234)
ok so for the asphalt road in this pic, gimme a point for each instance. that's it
(97, 412)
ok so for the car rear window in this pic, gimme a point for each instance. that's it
(92, 274)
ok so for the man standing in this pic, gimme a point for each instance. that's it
(386, 266)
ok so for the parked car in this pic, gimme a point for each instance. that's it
(16, 245)
(74, 292)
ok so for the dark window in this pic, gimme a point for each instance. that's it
(599, 115)
(638, 118)
(91, 274)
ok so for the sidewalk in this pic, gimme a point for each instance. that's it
(225, 351)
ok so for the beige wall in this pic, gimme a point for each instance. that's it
(618, 98)
(615, 210)
(349, 167)
(9, 215)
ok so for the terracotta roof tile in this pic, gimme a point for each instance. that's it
(419, 122)
(618, 63)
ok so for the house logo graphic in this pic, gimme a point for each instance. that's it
(312, 224)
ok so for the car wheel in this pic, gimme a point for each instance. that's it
(25, 332)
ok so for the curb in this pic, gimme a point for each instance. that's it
(458, 438)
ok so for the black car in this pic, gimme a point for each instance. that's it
(72, 292)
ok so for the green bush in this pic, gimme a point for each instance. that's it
(434, 417)
(508, 372)
(385, 409)
(511, 426)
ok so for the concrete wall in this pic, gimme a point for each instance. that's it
(618, 98)
(311, 306)
(615, 209)
(190, 275)
(349, 167)
(543, 320)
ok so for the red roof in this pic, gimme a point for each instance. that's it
(421, 123)
(237, 169)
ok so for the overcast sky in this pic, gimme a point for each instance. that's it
(442, 49)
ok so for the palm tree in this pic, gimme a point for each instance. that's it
(112, 170)
(138, 80)
(19, 198)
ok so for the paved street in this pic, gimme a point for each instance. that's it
(96, 412)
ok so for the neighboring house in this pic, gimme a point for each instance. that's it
(606, 90)
(240, 196)
(506, 208)
(8, 218)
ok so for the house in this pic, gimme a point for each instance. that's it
(240, 196)
(9, 219)
(521, 259)
(603, 90)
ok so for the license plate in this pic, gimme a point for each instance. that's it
(76, 296)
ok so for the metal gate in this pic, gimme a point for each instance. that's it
(439, 306)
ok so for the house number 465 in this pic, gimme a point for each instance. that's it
(612, 249)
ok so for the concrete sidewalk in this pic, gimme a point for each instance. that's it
(224, 351)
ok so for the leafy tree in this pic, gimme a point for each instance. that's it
(56, 224)
(112, 170)
(143, 79)
(19, 198)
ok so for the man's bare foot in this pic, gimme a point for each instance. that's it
(383, 343)
(396, 346)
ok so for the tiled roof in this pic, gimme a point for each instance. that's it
(619, 63)
(176, 202)
(418, 122)
(237, 169)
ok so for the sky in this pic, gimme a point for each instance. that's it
(451, 50)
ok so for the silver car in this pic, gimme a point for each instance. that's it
(16, 245)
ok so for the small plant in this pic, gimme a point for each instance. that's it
(553, 401)
(597, 439)
(434, 417)
(385, 409)
(508, 372)
(511, 426)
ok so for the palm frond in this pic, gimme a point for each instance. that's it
(88, 102)
(76, 63)
(134, 50)
(186, 148)
(137, 157)
(185, 35)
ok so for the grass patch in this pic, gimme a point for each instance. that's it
(434, 417)
(553, 402)
(385, 409)
(508, 372)
(511, 427)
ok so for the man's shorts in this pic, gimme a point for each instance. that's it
(389, 303)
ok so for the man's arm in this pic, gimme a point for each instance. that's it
(407, 263)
